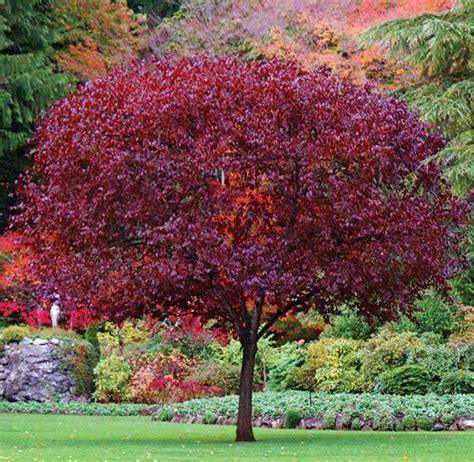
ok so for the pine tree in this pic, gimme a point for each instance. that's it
(28, 83)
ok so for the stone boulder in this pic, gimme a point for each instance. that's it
(37, 370)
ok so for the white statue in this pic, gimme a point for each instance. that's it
(54, 312)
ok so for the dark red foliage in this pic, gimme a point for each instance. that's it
(242, 191)
(325, 195)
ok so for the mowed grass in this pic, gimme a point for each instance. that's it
(85, 438)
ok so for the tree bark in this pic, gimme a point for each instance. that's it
(244, 417)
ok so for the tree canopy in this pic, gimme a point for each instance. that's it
(238, 191)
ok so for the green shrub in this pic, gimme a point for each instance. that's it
(48, 333)
(356, 424)
(292, 418)
(448, 419)
(457, 382)
(209, 419)
(364, 406)
(165, 415)
(424, 423)
(112, 378)
(331, 365)
(398, 427)
(34, 407)
(384, 423)
(405, 380)
(435, 315)
(408, 422)
(82, 364)
(349, 324)
(2, 347)
(281, 368)
(329, 423)
(386, 351)
(16, 333)
(90, 335)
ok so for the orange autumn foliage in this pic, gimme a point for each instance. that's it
(97, 35)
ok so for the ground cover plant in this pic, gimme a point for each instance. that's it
(263, 215)
(25, 437)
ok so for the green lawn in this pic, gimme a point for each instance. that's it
(68, 438)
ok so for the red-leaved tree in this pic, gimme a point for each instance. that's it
(238, 191)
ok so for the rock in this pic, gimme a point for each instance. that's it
(149, 410)
(466, 424)
(220, 420)
(314, 424)
(437, 427)
(453, 427)
(231, 421)
(366, 428)
(37, 370)
(177, 418)
(279, 423)
(257, 421)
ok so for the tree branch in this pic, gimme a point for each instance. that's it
(283, 310)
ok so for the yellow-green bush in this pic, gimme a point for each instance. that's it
(331, 365)
(112, 379)
(127, 340)
(386, 351)
(16, 333)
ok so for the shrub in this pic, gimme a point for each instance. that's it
(405, 380)
(356, 424)
(364, 406)
(424, 423)
(209, 419)
(112, 378)
(286, 359)
(331, 365)
(82, 360)
(50, 332)
(165, 415)
(219, 374)
(435, 315)
(408, 422)
(457, 382)
(292, 418)
(146, 369)
(384, 423)
(91, 336)
(128, 340)
(329, 422)
(170, 390)
(16, 333)
(349, 324)
(388, 350)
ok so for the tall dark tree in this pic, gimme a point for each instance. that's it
(237, 191)
(28, 83)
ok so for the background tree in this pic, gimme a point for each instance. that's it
(29, 83)
(439, 50)
(96, 35)
(238, 191)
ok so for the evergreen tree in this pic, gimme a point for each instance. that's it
(29, 83)
(439, 50)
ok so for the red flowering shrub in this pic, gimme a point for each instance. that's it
(169, 390)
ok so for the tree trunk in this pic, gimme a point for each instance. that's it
(244, 418)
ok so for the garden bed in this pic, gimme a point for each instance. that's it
(333, 411)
